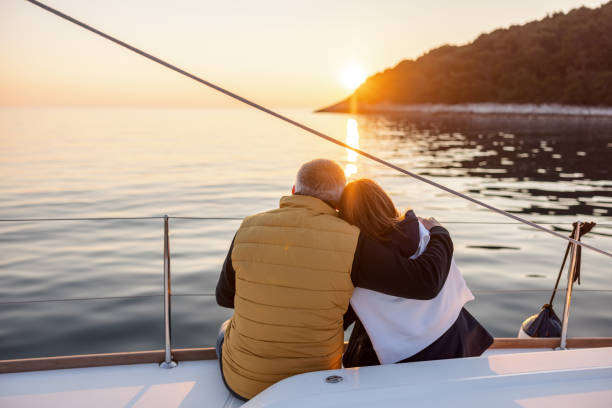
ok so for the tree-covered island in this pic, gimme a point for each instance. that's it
(562, 59)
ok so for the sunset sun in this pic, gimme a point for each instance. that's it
(352, 76)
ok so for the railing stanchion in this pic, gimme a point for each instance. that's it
(168, 362)
(570, 285)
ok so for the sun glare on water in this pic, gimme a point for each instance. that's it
(352, 76)
(352, 139)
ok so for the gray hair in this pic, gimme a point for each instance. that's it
(321, 178)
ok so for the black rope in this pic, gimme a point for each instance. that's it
(585, 227)
(307, 128)
(567, 249)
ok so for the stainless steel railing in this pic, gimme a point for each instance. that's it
(167, 363)
(570, 284)
(170, 363)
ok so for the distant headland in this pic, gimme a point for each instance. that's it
(561, 64)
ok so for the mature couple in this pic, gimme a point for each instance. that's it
(330, 255)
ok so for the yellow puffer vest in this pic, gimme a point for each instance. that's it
(293, 285)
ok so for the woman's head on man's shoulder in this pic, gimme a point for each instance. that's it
(365, 204)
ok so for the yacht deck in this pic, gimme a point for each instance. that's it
(500, 378)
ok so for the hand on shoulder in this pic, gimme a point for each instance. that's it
(429, 223)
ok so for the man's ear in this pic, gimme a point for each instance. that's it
(293, 190)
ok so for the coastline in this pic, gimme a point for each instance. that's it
(473, 109)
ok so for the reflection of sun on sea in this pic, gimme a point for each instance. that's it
(351, 77)
(352, 139)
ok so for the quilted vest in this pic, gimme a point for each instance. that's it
(293, 286)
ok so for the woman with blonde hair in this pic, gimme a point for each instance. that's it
(389, 329)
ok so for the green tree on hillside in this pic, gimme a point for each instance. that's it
(563, 58)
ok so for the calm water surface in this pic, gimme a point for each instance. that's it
(71, 287)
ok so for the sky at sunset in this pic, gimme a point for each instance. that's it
(280, 53)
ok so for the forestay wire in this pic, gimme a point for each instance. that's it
(311, 130)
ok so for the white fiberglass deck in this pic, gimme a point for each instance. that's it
(536, 379)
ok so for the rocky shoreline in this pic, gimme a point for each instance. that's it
(474, 108)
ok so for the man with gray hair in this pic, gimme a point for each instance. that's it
(320, 178)
(290, 273)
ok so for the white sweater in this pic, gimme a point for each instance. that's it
(399, 328)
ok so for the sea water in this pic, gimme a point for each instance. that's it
(93, 286)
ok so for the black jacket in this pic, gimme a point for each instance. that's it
(465, 338)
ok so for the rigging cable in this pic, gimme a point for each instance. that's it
(309, 129)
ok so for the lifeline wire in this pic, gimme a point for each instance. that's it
(478, 292)
(80, 219)
(241, 218)
(309, 129)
